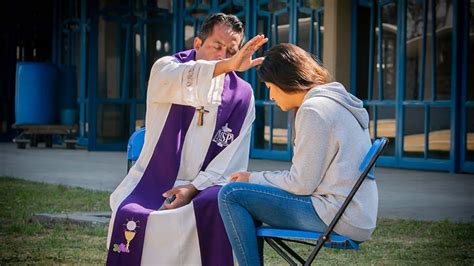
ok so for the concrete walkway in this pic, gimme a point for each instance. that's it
(406, 194)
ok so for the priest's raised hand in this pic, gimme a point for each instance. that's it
(242, 60)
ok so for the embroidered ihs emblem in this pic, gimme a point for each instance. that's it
(129, 235)
(224, 136)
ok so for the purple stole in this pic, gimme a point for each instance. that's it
(160, 176)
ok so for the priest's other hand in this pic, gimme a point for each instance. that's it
(242, 60)
(240, 177)
(184, 194)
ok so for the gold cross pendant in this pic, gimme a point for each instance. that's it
(201, 114)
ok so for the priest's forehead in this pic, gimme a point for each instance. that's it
(225, 37)
(232, 22)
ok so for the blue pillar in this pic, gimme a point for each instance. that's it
(56, 32)
(83, 73)
(460, 40)
(400, 95)
(92, 82)
(178, 25)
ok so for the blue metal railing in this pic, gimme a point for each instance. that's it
(457, 103)
(80, 27)
(287, 11)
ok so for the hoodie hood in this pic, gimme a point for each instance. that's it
(336, 92)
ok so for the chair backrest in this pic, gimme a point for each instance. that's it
(135, 144)
(365, 167)
(376, 146)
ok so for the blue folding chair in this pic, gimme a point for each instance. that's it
(134, 147)
(275, 236)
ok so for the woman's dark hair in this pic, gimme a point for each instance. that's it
(292, 69)
(220, 18)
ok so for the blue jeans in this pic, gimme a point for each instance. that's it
(245, 206)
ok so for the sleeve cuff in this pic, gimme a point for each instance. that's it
(256, 178)
(202, 181)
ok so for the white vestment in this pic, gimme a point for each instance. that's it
(170, 233)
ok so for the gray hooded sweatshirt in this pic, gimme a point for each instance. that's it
(332, 138)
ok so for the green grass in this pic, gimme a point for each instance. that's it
(24, 241)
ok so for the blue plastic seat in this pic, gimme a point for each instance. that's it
(275, 237)
(337, 241)
(134, 147)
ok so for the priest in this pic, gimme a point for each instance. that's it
(198, 123)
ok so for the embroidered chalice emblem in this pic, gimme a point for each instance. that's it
(129, 233)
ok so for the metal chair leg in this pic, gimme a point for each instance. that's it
(289, 250)
(280, 251)
(315, 251)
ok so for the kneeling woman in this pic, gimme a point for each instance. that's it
(332, 138)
